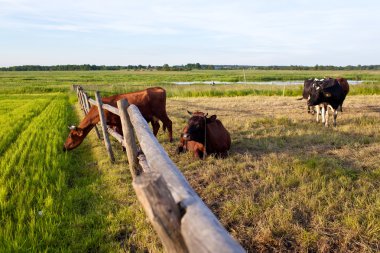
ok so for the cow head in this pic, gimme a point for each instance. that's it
(74, 139)
(196, 126)
(306, 87)
(316, 93)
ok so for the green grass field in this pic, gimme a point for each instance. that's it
(289, 184)
(112, 82)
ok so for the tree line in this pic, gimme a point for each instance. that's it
(187, 67)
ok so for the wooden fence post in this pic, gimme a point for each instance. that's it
(161, 210)
(85, 104)
(80, 97)
(104, 126)
(88, 106)
(129, 137)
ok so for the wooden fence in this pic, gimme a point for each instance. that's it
(180, 218)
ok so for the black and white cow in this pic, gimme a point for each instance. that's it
(318, 109)
(328, 92)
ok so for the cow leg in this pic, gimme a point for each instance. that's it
(312, 110)
(167, 123)
(341, 108)
(323, 114)
(327, 117)
(180, 149)
(156, 127)
(335, 116)
(317, 108)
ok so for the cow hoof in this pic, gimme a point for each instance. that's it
(179, 150)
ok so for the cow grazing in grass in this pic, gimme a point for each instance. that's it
(330, 92)
(205, 135)
(151, 103)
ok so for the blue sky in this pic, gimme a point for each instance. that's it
(255, 32)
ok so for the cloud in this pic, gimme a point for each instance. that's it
(204, 29)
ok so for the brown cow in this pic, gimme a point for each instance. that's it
(204, 133)
(151, 103)
(198, 149)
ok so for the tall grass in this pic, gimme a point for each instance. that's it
(112, 82)
(48, 199)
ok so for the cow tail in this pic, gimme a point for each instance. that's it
(205, 146)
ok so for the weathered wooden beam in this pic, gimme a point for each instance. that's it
(103, 123)
(129, 137)
(201, 229)
(143, 163)
(92, 102)
(85, 104)
(161, 210)
(110, 108)
(116, 135)
(80, 97)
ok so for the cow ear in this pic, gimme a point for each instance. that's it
(327, 94)
(79, 131)
(191, 114)
(211, 119)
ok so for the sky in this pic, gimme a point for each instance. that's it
(252, 32)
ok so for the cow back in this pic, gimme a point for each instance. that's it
(218, 138)
(336, 94)
(149, 98)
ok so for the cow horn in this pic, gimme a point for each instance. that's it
(72, 127)
(190, 113)
(206, 114)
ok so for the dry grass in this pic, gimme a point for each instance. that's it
(289, 184)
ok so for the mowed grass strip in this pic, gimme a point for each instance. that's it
(17, 113)
(51, 200)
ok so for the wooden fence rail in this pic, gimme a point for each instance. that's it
(179, 216)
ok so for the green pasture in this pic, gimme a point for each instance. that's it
(111, 82)
(289, 184)
(49, 200)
